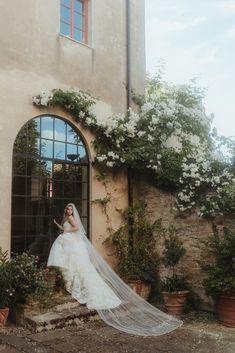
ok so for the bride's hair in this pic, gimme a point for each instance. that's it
(67, 206)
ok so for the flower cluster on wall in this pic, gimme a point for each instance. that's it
(169, 137)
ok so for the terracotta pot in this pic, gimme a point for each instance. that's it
(3, 316)
(141, 288)
(175, 301)
(225, 308)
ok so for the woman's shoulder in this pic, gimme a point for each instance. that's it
(71, 219)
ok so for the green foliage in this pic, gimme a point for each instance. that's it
(27, 277)
(219, 249)
(77, 104)
(173, 250)
(135, 245)
(172, 253)
(169, 138)
(174, 284)
(6, 290)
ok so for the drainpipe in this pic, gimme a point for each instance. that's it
(128, 87)
(128, 52)
(128, 102)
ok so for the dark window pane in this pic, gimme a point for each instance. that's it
(20, 144)
(34, 188)
(60, 130)
(58, 189)
(33, 130)
(59, 152)
(59, 171)
(65, 13)
(47, 127)
(78, 6)
(59, 205)
(78, 35)
(46, 187)
(18, 205)
(71, 189)
(18, 245)
(33, 166)
(18, 226)
(46, 148)
(19, 185)
(19, 165)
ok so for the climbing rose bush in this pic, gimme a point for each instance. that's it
(168, 137)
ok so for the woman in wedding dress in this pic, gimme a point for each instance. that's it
(91, 281)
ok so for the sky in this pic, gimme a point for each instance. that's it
(196, 39)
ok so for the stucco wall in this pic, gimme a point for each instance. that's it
(35, 57)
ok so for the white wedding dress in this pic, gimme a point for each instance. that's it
(93, 282)
(69, 253)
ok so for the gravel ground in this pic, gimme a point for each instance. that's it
(201, 333)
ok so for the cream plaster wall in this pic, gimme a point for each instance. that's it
(35, 57)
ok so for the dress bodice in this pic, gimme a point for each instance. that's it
(66, 226)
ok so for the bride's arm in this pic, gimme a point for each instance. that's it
(73, 224)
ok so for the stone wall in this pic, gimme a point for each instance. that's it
(191, 230)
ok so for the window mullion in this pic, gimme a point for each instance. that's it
(85, 17)
(72, 18)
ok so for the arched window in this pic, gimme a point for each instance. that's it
(50, 169)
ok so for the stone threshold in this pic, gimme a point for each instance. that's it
(65, 311)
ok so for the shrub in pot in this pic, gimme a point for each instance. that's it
(6, 290)
(135, 244)
(174, 287)
(220, 272)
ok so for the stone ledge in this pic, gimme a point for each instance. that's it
(64, 311)
(56, 319)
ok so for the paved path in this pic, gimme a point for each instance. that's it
(199, 334)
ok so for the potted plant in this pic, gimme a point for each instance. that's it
(6, 290)
(220, 273)
(135, 245)
(29, 282)
(174, 287)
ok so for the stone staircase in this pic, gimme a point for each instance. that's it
(63, 311)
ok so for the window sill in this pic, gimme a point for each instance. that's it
(74, 40)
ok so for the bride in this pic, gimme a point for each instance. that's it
(91, 281)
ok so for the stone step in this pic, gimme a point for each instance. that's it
(63, 311)
(59, 318)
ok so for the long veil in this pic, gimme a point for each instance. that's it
(134, 315)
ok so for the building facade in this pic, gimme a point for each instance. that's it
(90, 45)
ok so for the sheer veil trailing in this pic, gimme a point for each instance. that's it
(134, 315)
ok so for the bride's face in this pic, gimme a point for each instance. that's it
(69, 211)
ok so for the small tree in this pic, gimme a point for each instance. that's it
(172, 254)
(220, 269)
(137, 257)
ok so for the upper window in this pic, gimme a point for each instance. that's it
(74, 19)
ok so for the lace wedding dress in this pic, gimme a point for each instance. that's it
(82, 280)
(91, 281)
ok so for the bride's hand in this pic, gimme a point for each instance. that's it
(58, 225)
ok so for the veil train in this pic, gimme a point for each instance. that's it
(127, 311)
